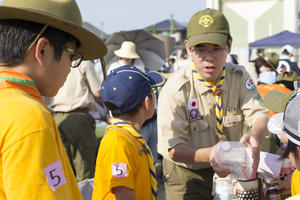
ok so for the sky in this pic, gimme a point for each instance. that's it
(122, 15)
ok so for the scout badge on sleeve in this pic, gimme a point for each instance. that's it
(250, 83)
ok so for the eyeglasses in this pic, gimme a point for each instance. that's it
(204, 51)
(76, 58)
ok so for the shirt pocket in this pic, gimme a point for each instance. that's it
(198, 126)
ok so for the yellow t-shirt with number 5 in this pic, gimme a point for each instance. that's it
(120, 163)
(33, 162)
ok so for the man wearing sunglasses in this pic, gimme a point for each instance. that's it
(38, 42)
(205, 103)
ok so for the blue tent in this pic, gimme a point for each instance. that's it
(278, 40)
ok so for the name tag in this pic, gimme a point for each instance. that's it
(232, 119)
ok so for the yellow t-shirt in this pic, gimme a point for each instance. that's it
(33, 162)
(295, 186)
(121, 162)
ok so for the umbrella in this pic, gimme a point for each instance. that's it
(150, 49)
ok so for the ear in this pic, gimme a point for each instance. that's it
(147, 102)
(229, 44)
(187, 47)
(42, 50)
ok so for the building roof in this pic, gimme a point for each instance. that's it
(166, 24)
(95, 30)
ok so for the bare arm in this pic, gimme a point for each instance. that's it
(186, 154)
(98, 98)
(123, 193)
(189, 155)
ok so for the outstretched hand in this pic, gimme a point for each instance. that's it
(221, 171)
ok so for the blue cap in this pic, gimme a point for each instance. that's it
(127, 86)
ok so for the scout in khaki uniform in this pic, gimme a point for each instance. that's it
(38, 40)
(206, 102)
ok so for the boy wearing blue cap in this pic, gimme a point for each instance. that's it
(125, 165)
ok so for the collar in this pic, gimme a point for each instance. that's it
(127, 126)
(200, 87)
(284, 57)
(12, 79)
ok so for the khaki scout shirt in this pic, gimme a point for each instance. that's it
(77, 92)
(186, 110)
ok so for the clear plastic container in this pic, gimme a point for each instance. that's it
(233, 155)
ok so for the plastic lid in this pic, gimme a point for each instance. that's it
(225, 146)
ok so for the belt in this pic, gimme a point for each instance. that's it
(85, 110)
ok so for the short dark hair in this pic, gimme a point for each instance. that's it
(285, 52)
(16, 36)
(113, 108)
(291, 148)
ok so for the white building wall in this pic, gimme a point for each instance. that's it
(290, 12)
(254, 9)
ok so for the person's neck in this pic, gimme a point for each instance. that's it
(136, 121)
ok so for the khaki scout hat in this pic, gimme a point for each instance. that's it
(276, 100)
(271, 58)
(208, 26)
(61, 14)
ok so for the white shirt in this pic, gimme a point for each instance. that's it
(138, 63)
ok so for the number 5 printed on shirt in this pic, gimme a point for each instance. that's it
(55, 175)
(119, 169)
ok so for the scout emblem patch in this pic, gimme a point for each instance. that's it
(250, 83)
(193, 106)
(206, 21)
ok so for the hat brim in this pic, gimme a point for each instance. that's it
(156, 79)
(275, 124)
(276, 100)
(123, 54)
(213, 38)
(260, 55)
(91, 45)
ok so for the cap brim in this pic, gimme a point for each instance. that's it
(275, 124)
(157, 79)
(267, 61)
(276, 100)
(213, 38)
(91, 45)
